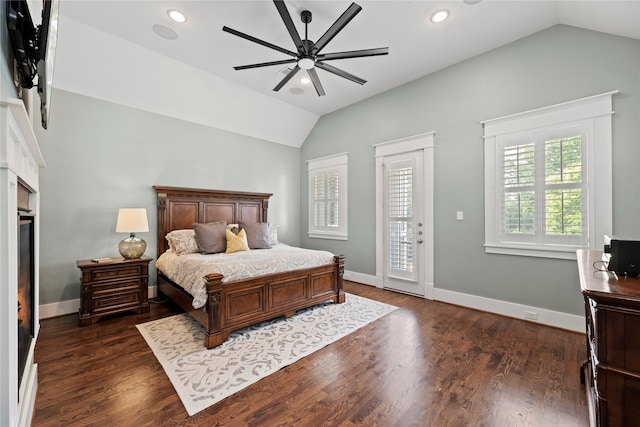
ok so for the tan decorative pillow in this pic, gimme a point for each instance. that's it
(211, 237)
(236, 243)
(183, 242)
(257, 234)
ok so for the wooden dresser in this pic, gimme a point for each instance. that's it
(612, 370)
(114, 286)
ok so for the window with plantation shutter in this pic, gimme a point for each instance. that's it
(519, 193)
(328, 197)
(542, 195)
(548, 179)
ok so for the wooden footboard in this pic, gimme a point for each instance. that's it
(234, 305)
(241, 303)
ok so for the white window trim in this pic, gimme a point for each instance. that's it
(339, 161)
(597, 111)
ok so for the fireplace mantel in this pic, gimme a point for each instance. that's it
(20, 162)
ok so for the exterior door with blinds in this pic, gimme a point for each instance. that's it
(403, 222)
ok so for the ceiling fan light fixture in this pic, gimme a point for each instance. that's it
(176, 15)
(440, 16)
(307, 54)
(306, 63)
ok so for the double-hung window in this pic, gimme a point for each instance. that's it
(548, 179)
(328, 197)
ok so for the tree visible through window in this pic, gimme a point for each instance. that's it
(559, 198)
(563, 178)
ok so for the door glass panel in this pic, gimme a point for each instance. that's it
(400, 255)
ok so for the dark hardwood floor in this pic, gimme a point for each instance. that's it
(426, 364)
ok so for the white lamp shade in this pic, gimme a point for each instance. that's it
(132, 220)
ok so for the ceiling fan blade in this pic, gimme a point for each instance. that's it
(255, 40)
(286, 78)
(340, 23)
(339, 72)
(353, 54)
(288, 22)
(264, 64)
(313, 75)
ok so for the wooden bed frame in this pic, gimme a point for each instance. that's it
(236, 304)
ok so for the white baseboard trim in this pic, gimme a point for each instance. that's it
(59, 308)
(72, 306)
(556, 319)
(546, 317)
(366, 279)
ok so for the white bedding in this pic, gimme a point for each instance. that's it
(189, 270)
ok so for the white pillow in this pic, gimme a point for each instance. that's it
(273, 234)
(183, 242)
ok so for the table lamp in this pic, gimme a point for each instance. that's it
(132, 220)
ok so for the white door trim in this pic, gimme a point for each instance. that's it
(424, 143)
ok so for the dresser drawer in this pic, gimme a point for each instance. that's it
(618, 396)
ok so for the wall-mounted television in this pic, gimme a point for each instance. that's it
(34, 48)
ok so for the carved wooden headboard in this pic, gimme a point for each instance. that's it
(179, 208)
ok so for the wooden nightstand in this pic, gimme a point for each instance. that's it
(113, 286)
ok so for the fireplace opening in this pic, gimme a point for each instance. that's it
(26, 286)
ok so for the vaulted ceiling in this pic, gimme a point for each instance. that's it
(131, 52)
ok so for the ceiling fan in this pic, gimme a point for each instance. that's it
(307, 55)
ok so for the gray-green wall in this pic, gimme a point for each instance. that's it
(556, 65)
(101, 156)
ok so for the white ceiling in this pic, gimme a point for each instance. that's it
(417, 47)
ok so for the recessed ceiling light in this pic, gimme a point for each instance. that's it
(296, 91)
(305, 80)
(176, 15)
(439, 16)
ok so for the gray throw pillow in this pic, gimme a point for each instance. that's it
(257, 234)
(211, 237)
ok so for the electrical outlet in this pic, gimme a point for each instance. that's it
(531, 315)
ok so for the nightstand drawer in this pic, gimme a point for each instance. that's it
(106, 274)
(116, 286)
(116, 300)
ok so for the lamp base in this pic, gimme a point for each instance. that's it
(132, 247)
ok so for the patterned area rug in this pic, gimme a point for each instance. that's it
(203, 377)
